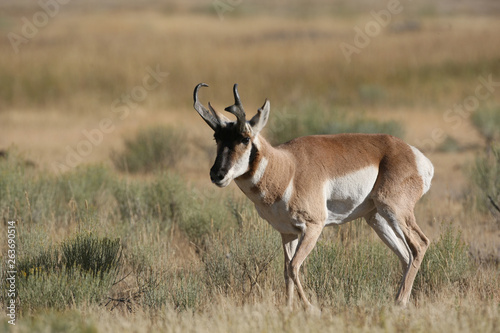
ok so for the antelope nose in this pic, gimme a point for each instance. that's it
(217, 175)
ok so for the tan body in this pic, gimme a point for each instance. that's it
(310, 182)
(293, 195)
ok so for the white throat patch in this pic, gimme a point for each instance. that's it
(240, 167)
(261, 168)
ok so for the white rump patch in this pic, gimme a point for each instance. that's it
(424, 167)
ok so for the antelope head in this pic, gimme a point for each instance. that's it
(237, 143)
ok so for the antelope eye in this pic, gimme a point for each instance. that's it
(245, 140)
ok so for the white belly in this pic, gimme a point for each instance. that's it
(348, 197)
(279, 218)
(345, 199)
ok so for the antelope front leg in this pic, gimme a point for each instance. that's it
(306, 244)
(289, 246)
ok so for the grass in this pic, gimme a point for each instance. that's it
(485, 175)
(240, 263)
(311, 118)
(137, 266)
(263, 316)
(449, 145)
(487, 122)
(299, 66)
(352, 274)
(446, 263)
(152, 149)
(36, 197)
(79, 271)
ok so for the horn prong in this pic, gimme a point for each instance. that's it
(237, 109)
(237, 99)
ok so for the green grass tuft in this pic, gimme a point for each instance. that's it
(447, 263)
(312, 119)
(485, 177)
(152, 149)
(487, 122)
(81, 270)
(91, 254)
(352, 269)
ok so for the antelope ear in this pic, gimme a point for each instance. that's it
(258, 121)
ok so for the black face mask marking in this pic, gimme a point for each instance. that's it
(228, 139)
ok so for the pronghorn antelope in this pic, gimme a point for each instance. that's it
(311, 182)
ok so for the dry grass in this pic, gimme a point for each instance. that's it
(100, 57)
(447, 314)
(82, 62)
(66, 79)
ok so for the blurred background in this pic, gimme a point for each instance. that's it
(101, 152)
(66, 65)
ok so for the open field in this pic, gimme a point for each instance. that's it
(115, 234)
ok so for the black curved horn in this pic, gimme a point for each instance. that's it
(209, 116)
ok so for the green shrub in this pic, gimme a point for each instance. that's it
(181, 289)
(169, 200)
(240, 262)
(168, 197)
(46, 260)
(487, 122)
(485, 176)
(154, 148)
(34, 196)
(449, 145)
(312, 119)
(129, 196)
(371, 94)
(91, 254)
(344, 273)
(446, 263)
(187, 291)
(218, 268)
(86, 185)
(17, 182)
(206, 215)
(81, 270)
(164, 199)
(354, 270)
(84, 252)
